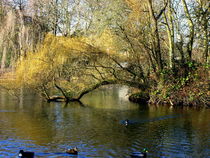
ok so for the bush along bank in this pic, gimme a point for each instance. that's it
(188, 86)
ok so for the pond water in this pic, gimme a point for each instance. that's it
(97, 128)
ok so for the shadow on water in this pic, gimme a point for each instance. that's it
(97, 128)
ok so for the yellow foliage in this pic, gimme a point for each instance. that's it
(106, 41)
(138, 9)
(52, 54)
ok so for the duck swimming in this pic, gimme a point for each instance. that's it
(73, 151)
(25, 154)
(126, 122)
(142, 154)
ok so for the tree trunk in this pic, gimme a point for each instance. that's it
(205, 22)
(3, 60)
(67, 18)
(93, 88)
(191, 27)
(55, 27)
(155, 31)
(206, 44)
(21, 36)
(170, 31)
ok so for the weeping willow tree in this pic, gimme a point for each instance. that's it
(75, 66)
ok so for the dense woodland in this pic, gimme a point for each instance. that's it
(158, 48)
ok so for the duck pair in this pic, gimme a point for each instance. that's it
(142, 154)
(27, 154)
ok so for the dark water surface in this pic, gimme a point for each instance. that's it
(97, 128)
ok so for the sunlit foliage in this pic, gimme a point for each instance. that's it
(70, 62)
(107, 41)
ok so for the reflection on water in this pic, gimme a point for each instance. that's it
(97, 129)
